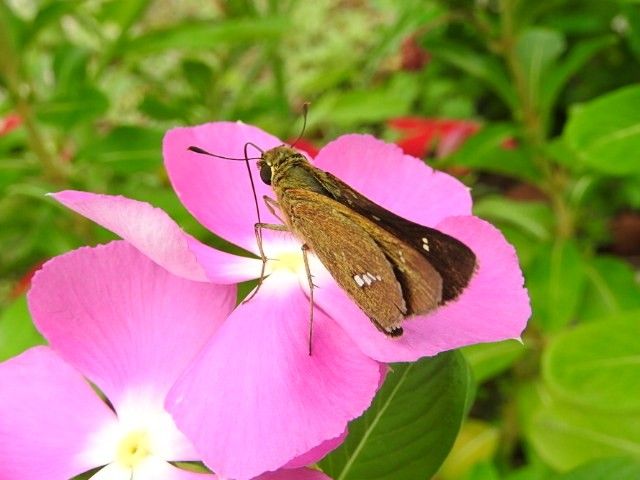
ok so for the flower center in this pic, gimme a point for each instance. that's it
(291, 260)
(133, 448)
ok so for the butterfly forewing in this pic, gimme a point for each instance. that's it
(353, 258)
(387, 278)
(453, 260)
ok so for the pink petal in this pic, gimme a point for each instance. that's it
(297, 474)
(398, 182)
(127, 324)
(48, 414)
(495, 305)
(255, 398)
(156, 235)
(318, 453)
(218, 192)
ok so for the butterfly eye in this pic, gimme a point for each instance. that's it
(265, 173)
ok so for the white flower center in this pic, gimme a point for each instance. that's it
(141, 436)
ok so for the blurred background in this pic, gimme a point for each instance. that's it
(535, 105)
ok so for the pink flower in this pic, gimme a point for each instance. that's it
(130, 328)
(303, 399)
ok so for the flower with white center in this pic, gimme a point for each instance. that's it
(113, 318)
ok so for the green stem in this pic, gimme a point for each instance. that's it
(554, 179)
(19, 90)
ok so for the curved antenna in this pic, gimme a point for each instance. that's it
(245, 159)
(204, 152)
(253, 187)
(305, 111)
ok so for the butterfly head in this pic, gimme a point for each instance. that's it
(276, 161)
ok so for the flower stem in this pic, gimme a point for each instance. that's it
(554, 181)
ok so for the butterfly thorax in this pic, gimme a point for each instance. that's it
(284, 168)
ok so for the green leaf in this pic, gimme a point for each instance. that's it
(70, 69)
(565, 436)
(596, 365)
(476, 444)
(611, 288)
(71, 108)
(17, 332)
(621, 468)
(127, 149)
(489, 359)
(533, 218)
(605, 132)
(479, 65)
(49, 13)
(199, 75)
(411, 425)
(556, 281)
(536, 49)
(485, 151)
(350, 108)
(557, 77)
(204, 36)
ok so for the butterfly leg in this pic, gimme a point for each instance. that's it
(258, 232)
(272, 205)
(305, 249)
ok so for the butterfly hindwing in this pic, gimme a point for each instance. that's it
(453, 260)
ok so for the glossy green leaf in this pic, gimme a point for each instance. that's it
(533, 218)
(536, 49)
(619, 468)
(611, 288)
(558, 77)
(489, 359)
(411, 425)
(476, 445)
(556, 281)
(605, 132)
(17, 332)
(597, 365)
(565, 436)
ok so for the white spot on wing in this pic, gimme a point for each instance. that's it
(425, 243)
(366, 278)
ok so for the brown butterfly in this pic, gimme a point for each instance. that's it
(391, 267)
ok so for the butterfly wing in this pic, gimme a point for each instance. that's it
(454, 261)
(386, 278)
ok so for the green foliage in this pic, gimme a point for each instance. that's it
(555, 164)
(410, 427)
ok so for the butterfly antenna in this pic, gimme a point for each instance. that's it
(253, 187)
(245, 159)
(305, 111)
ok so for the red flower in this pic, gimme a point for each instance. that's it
(421, 135)
(412, 56)
(306, 146)
(23, 284)
(10, 123)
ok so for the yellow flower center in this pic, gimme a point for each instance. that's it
(289, 260)
(133, 449)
